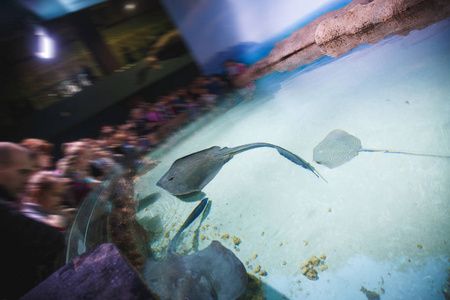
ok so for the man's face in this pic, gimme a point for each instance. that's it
(15, 176)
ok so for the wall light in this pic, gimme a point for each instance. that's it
(130, 6)
(45, 45)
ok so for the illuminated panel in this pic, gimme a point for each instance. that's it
(50, 9)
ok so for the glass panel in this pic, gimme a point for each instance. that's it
(89, 228)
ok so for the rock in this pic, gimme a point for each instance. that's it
(314, 261)
(311, 274)
(101, 274)
(371, 295)
(304, 270)
(323, 268)
(257, 269)
(236, 240)
(308, 267)
(337, 32)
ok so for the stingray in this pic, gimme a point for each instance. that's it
(339, 147)
(191, 173)
(212, 273)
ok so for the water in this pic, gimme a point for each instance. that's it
(382, 220)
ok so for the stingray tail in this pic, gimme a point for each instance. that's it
(285, 153)
(299, 161)
(405, 153)
(191, 218)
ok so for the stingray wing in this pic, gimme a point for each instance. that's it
(337, 148)
(212, 273)
(191, 173)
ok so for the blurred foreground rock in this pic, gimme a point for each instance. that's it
(100, 274)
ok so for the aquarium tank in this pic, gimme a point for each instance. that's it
(330, 181)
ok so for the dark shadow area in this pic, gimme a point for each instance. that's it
(272, 294)
(192, 197)
(148, 200)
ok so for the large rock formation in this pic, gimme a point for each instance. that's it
(337, 32)
(100, 274)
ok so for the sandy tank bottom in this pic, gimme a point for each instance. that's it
(381, 223)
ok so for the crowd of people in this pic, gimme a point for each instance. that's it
(39, 196)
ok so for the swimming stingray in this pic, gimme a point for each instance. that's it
(191, 173)
(212, 273)
(339, 146)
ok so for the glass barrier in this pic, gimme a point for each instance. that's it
(89, 228)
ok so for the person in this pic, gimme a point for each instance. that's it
(30, 250)
(41, 150)
(76, 166)
(234, 69)
(43, 198)
(15, 169)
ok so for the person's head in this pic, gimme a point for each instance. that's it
(76, 157)
(229, 63)
(107, 130)
(46, 189)
(41, 151)
(16, 167)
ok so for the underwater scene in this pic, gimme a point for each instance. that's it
(324, 216)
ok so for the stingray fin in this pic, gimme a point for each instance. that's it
(191, 218)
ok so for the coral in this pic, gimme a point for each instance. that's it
(125, 232)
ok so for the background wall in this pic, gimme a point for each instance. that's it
(243, 30)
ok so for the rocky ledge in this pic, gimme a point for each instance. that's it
(337, 32)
